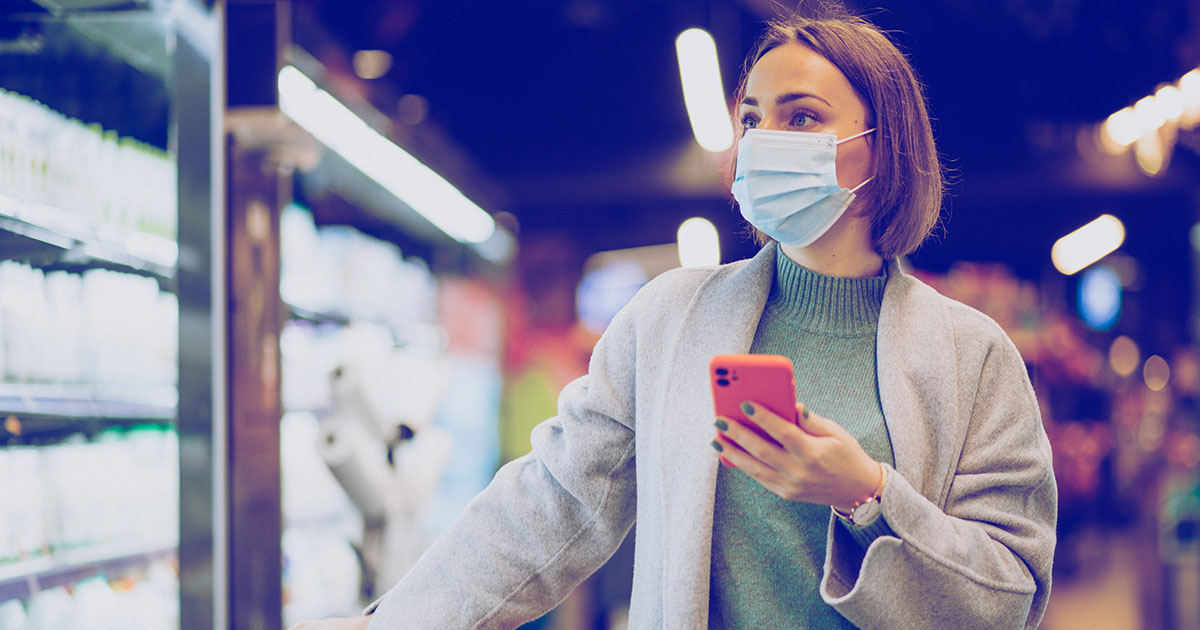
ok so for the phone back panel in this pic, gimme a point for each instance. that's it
(767, 379)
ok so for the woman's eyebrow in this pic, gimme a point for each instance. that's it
(785, 98)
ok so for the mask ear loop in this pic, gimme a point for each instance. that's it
(857, 135)
(864, 183)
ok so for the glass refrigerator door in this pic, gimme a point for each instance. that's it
(90, 302)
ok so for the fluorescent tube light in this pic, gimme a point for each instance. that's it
(702, 91)
(699, 244)
(1189, 86)
(401, 174)
(1088, 244)
(1171, 102)
(1122, 128)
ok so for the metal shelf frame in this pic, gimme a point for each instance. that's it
(23, 578)
(176, 47)
(61, 401)
(68, 241)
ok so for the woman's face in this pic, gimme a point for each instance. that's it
(792, 88)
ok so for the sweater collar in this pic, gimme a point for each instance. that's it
(819, 303)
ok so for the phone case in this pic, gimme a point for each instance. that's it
(767, 379)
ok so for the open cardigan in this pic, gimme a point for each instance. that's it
(972, 498)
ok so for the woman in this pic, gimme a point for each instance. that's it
(916, 490)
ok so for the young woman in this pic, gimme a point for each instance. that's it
(916, 489)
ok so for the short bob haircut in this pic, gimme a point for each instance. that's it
(905, 197)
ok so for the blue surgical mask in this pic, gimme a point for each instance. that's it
(786, 185)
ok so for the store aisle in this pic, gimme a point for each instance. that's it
(1103, 599)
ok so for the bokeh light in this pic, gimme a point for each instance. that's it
(1156, 373)
(1123, 355)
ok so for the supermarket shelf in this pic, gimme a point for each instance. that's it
(155, 404)
(317, 317)
(74, 242)
(133, 31)
(139, 37)
(20, 579)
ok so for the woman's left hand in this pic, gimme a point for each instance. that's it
(815, 461)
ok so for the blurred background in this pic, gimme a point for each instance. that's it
(283, 283)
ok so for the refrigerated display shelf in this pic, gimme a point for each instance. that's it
(60, 401)
(75, 242)
(317, 317)
(22, 578)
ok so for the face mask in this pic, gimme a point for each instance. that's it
(786, 185)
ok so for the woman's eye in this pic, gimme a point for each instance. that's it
(801, 119)
(749, 122)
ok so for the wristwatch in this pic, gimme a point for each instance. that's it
(866, 511)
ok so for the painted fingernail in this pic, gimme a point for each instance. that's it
(717, 445)
(747, 408)
(720, 424)
(806, 413)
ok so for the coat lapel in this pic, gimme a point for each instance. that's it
(917, 363)
(722, 320)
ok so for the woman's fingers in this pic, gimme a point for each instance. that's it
(813, 424)
(745, 438)
(740, 457)
(783, 431)
(818, 461)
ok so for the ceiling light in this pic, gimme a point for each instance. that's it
(699, 244)
(1170, 98)
(1122, 128)
(1189, 87)
(1178, 104)
(702, 91)
(1148, 114)
(401, 174)
(1088, 244)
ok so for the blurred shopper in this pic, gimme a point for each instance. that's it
(916, 489)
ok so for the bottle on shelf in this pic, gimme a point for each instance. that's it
(99, 327)
(83, 172)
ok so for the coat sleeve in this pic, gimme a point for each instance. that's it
(546, 521)
(981, 560)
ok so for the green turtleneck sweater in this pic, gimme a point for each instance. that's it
(768, 552)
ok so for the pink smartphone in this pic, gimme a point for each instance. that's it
(767, 379)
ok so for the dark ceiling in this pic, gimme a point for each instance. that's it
(572, 109)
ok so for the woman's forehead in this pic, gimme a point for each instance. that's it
(796, 68)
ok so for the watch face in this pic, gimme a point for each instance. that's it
(865, 513)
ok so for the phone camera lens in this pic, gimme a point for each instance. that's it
(722, 382)
(722, 371)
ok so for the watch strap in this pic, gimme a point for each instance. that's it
(863, 536)
(876, 497)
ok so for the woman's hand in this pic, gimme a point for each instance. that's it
(348, 623)
(816, 461)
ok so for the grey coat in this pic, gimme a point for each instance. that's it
(972, 498)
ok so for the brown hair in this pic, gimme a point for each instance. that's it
(905, 197)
